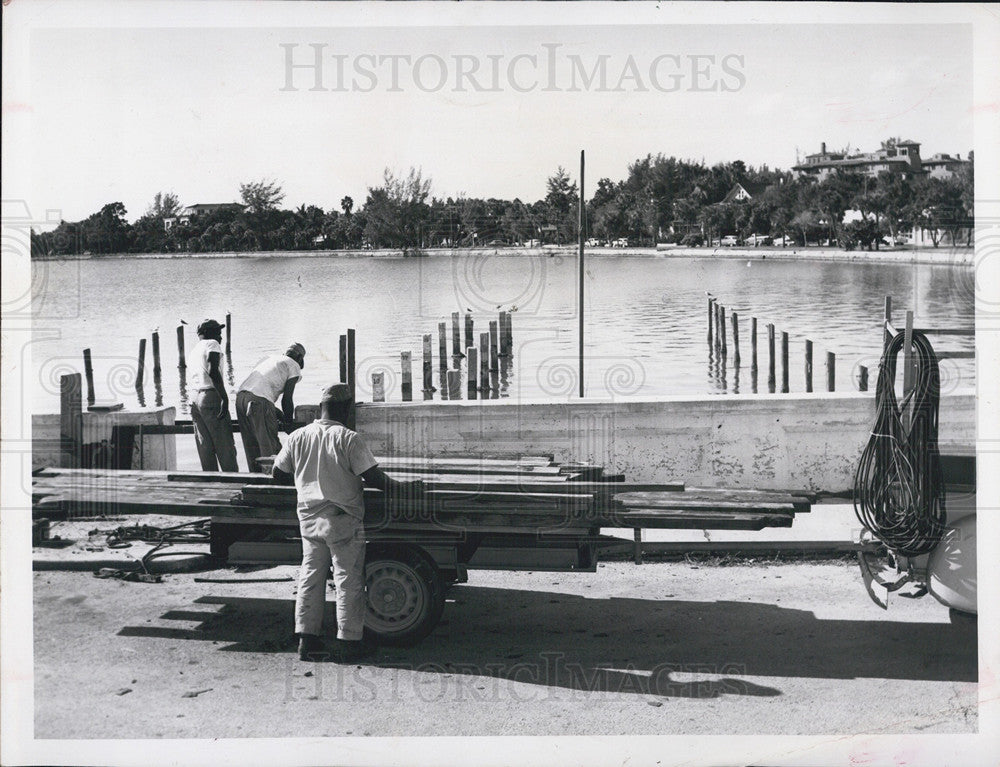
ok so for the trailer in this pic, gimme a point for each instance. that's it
(528, 513)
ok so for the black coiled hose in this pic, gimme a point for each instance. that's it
(898, 487)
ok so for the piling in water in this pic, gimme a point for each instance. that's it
(770, 358)
(229, 331)
(378, 387)
(156, 354)
(784, 362)
(406, 376)
(722, 328)
(88, 371)
(711, 318)
(428, 368)
(181, 361)
(351, 367)
(736, 340)
(343, 358)
(862, 378)
(456, 339)
(468, 331)
(472, 370)
(831, 371)
(484, 365)
(443, 358)
(809, 366)
(141, 368)
(454, 385)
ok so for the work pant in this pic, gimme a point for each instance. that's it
(214, 436)
(258, 419)
(331, 536)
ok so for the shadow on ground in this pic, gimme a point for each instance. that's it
(663, 647)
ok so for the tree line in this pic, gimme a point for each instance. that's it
(661, 199)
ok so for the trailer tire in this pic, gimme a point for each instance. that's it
(405, 594)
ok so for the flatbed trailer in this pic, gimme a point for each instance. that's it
(515, 516)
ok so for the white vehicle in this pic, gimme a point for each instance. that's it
(621, 242)
(729, 241)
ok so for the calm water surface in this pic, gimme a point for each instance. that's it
(646, 319)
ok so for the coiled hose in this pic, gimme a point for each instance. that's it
(189, 532)
(898, 487)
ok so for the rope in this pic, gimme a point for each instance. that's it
(898, 487)
(189, 532)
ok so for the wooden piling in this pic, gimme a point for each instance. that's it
(70, 421)
(428, 368)
(784, 362)
(156, 354)
(88, 371)
(406, 376)
(502, 328)
(736, 340)
(711, 318)
(494, 358)
(753, 345)
(886, 319)
(722, 328)
(351, 366)
(343, 358)
(468, 331)
(507, 333)
(378, 387)
(454, 385)
(456, 338)
(484, 365)
(472, 368)
(637, 545)
(443, 358)
(717, 342)
(229, 331)
(831, 371)
(809, 365)
(141, 369)
(770, 358)
(862, 378)
(181, 359)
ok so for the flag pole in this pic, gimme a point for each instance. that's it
(581, 270)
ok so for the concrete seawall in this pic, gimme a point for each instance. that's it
(804, 441)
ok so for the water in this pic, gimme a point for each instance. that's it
(646, 319)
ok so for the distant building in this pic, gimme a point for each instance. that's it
(944, 165)
(183, 218)
(902, 157)
(741, 192)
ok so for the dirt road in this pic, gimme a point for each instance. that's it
(654, 649)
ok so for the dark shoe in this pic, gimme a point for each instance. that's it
(311, 648)
(350, 651)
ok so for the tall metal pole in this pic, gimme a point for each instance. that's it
(581, 270)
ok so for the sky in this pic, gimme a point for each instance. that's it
(121, 113)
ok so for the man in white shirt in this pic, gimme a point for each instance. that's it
(327, 462)
(255, 402)
(213, 431)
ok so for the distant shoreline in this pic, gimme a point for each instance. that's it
(943, 256)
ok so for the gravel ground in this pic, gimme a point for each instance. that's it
(662, 648)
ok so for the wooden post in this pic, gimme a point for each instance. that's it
(718, 342)
(711, 318)
(886, 319)
(484, 365)
(494, 358)
(472, 368)
(181, 361)
(637, 545)
(88, 371)
(428, 368)
(70, 421)
(468, 331)
(581, 270)
(831, 371)
(141, 370)
(378, 387)
(229, 331)
(770, 358)
(343, 359)
(456, 338)
(722, 328)
(862, 378)
(406, 378)
(454, 385)
(156, 354)
(503, 333)
(809, 365)
(753, 354)
(908, 356)
(443, 358)
(351, 368)
(507, 331)
(784, 362)
(736, 340)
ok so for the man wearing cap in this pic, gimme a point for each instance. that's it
(213, 431)
(327, 462)
(255, 402)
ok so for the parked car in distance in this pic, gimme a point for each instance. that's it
(758, 239)
(621, 242)
(729, 241)
(496, 243)
(593, 242)
(784, 242)
(532, 243)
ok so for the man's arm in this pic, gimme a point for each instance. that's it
(216, 375)
(281, 477)
(287, 405)
(378, 478)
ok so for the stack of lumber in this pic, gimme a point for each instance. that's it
(460, 492)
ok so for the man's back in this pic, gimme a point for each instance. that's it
(326, 460)
(268, 379)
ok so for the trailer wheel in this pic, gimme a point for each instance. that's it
(405, 594)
